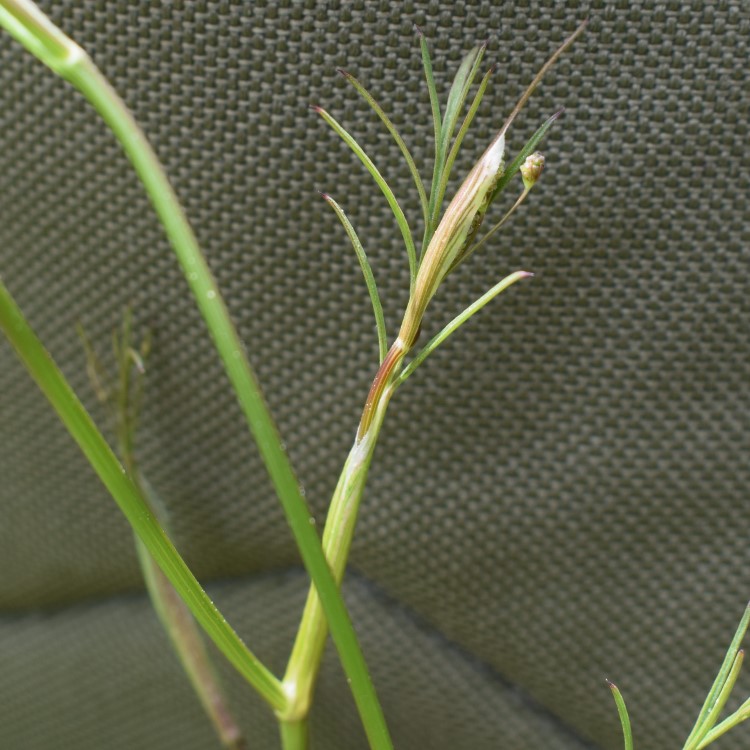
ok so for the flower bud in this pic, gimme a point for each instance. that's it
(532, 168)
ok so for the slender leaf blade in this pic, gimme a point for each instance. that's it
(740, 715)
(458, 321)
(455, 148)
(721, 678)
(364, 263)
(365, 94)
(622, 710)
(459, 90)
(382, 184)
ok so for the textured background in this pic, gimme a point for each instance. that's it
(560, 493)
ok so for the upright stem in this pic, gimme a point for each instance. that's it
(304, 663)
(294, 734)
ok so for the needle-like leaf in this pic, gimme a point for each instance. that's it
(721, 699)
(365, 94)
(372, 288)
(624, 718)
(446, 173)
(740, 715)
(382, 184)
(438, 123)
(458, 321)
(459, 90)
(719, 682)
(456, 97)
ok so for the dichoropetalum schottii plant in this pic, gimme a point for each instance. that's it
(450, 237)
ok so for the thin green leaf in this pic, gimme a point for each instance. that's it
(740, 715)
(365, 94)
(446, 173)
(382, 184)
(456, 97)
(624, 718)
(458, 321)
(459, 90)
(721, 678)
(716, 709)
(364, 263)
(82, 428)
(526, 151)
(437, 121)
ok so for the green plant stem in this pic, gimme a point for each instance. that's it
(304, 663)
(80, 425)
(79, 69)
(295, 735)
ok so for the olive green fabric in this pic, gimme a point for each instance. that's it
(561, 492)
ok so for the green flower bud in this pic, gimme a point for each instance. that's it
(532, 168)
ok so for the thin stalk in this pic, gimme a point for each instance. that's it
(83, 430)
(457, 322)
(721, 700)
(471, 250)
(190, 650)
(542, 72)
(78, 69)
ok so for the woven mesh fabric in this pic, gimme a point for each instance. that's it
(560, 491)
